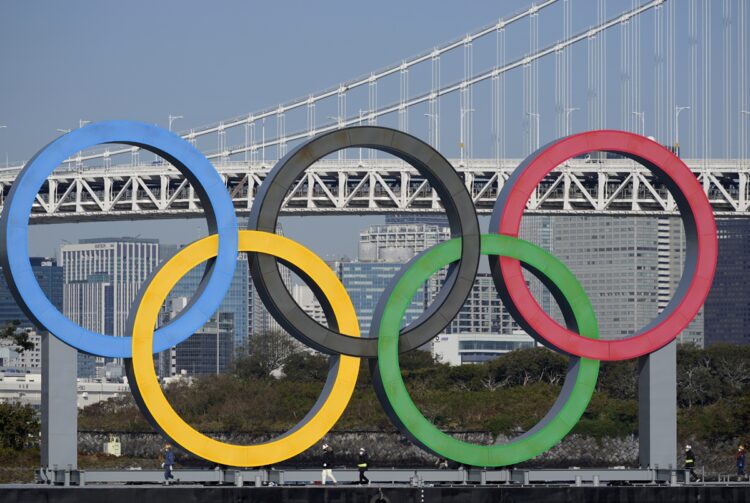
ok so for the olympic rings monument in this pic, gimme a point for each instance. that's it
(653, 345)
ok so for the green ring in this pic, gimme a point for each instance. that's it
(569, 406)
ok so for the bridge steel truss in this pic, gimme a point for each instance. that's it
(611, 186)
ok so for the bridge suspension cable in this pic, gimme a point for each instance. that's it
(374, 112)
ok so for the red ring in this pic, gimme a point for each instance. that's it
(686, 188)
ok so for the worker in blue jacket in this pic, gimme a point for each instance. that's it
(168, 464)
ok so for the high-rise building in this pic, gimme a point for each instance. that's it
(304, 296)
(399, 242)
(383, 251)
(102, 277)
(90, 303)
(235, 301)
(250, 314)
(629, 266)
(259, 319)
(484, 329)
(50, 278)
(207, 351)
(483, 311)
(616, 261)
(365, 283)
(538, 229)
(727, 308)
(671, 253)
(123, 263)
(483, 317)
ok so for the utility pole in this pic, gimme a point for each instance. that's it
(568, 111)
(677, 111)
(173, 118)
(538, 119)
(463, 131)
(6, 150)
(642, 116)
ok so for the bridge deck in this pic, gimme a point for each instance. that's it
(581, 186)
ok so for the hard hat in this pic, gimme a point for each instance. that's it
(687, 447)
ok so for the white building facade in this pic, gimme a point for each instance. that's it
(27, 389)
(120, 264)
(468, 348)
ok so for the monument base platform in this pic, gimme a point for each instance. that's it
(420, 477)
(374, 494)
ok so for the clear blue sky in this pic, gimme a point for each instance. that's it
(208, 61)
(144, 60)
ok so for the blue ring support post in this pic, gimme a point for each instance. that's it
(14, 254)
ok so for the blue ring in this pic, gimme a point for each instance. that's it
(211, 190)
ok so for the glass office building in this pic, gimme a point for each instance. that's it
(365, 283)
(50, 278)
(208, 351)
(616, 261)
(235, 301)
(727, 308)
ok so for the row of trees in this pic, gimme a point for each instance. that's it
(276, 381)
(704, 376)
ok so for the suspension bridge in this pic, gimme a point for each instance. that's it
(485, 100)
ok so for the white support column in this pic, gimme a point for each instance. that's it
(657, 414)
(59, 404)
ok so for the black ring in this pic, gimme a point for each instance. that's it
(458, 206)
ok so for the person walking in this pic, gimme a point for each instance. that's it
(168, 464)
(690, 462)
(740, 462)
(362, 466)
(327, 465)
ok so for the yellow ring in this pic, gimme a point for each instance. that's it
(304, 434)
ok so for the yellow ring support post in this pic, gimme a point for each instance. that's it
(302, 436)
